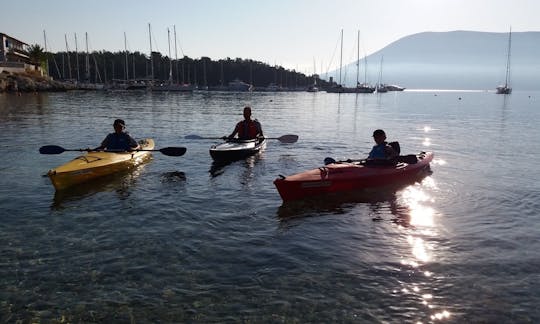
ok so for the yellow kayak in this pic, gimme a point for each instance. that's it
(98, 164)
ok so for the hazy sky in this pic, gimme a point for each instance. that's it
(291, 33)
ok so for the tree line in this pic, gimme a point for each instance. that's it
(107, 67)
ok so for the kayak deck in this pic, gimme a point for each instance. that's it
(343, 177)
(93, 165)
(233, 150)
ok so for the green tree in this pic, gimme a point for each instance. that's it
(36, 54)
(38, 57)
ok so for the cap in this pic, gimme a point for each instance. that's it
(119, 122)
(379, 132)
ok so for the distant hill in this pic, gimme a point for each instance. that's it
(453, 60)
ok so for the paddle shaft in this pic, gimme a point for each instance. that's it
(289, 138)
(55, 149)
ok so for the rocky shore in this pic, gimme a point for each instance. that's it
(30, 82)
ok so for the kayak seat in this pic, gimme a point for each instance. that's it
(395, 146)
(409, 159)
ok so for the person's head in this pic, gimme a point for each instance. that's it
(247, 112)
(119, 125)
(379, 136)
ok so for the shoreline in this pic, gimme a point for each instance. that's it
(11, 82)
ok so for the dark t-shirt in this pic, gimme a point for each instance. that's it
(118, 141)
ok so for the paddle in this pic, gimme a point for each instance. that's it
(409, 159)
(289, 138)
(329, 160)
(55, 149)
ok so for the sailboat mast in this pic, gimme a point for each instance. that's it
(204, 75)
(87, 73)
(341, 57)
(357, 57)
(151, 56)
(176, 55)
(77, 57)
(314, 72)
(170, 60)
(379, 82)
(508, 59)
(68, 60)
(126, 73)
(45, 47)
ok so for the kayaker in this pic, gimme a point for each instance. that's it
(119, 140)
(381, 151)
(248, 128)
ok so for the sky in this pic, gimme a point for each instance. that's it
(303, 35)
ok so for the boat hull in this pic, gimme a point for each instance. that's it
(344, 177)
(359, 89)
(504, 90)
(236, 149)
(94, 165)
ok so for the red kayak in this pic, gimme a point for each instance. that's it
(349, 176)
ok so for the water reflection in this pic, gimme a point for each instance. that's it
(422, 220)
(379, 201)
(218, 167)
(14, 107)
(121, 183)
(409, 206)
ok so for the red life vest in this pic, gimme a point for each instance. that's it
(248, 129)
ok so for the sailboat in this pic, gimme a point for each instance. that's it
(313, 87)
(506, 89)
(170, 85)
(360, 87)
(381, 87)
(338, 88)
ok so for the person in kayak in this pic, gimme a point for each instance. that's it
(119, 140)
(382, 151)
(248, 128)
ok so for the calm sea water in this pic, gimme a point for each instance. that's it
(173, 242)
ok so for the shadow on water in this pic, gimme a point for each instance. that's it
(218, 167)
(173, 177)
(122, 183)
(380, 201)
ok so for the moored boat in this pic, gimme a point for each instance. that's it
(236, 149)
(393, 87)
(94, 165)
(506, 89)
(349, 176)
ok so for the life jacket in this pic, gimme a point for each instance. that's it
(248, 129)
(378, 151)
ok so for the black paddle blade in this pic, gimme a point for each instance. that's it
(289, 138)
(329, 160)
(173, 151)
(51, 149)
(193, 136)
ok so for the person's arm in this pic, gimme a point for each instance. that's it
(370, 156)
(235, 131)
(259, 129)
(133, 145)
(103, 145)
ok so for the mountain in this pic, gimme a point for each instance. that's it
(454, 60)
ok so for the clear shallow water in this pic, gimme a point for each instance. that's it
(172, 242)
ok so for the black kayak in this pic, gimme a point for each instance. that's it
(237, 149)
